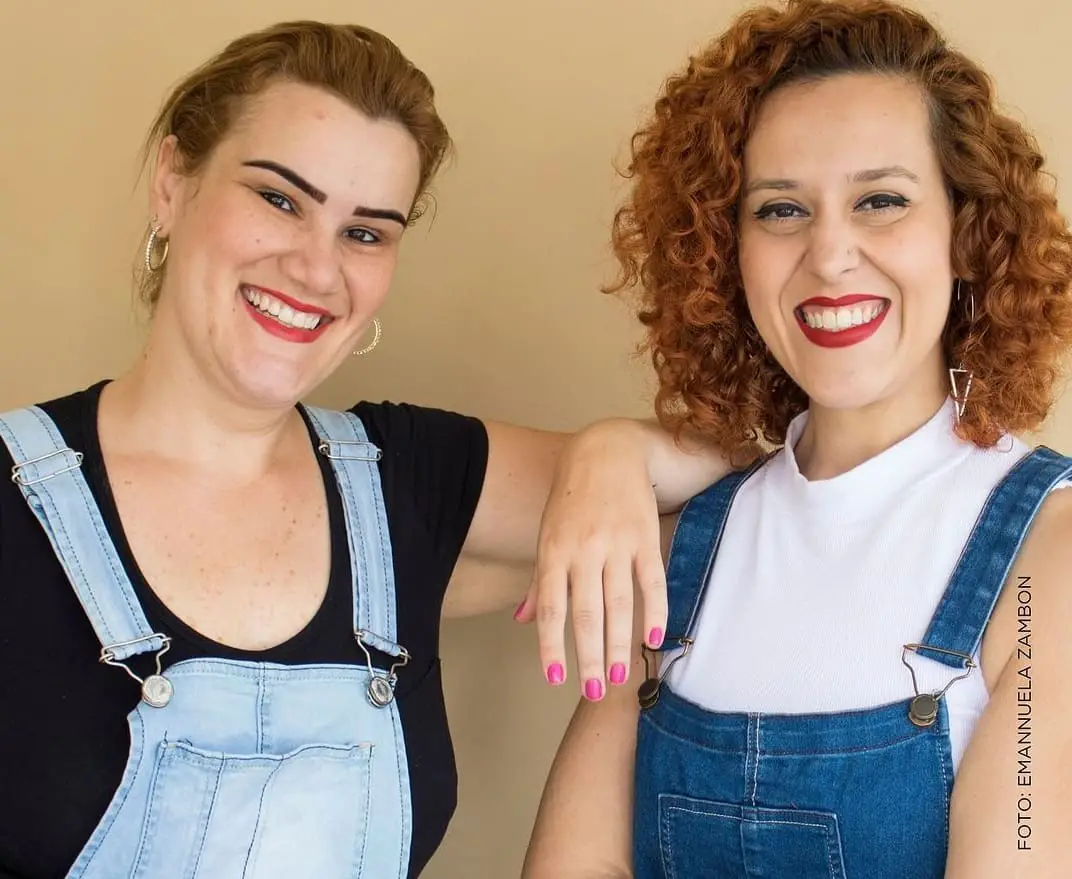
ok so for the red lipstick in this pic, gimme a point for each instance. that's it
(279, 330)
(845, 337)
(303, 307)
(841, 301)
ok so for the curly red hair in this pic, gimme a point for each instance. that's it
(676, 235)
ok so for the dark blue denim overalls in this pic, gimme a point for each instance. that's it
(858, 794)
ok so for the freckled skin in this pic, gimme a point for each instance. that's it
(255, 581)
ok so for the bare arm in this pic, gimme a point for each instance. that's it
(1012, 801)
(618, 474)
(583, 828)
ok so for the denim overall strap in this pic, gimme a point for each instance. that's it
(354, 459)
(692, 552)
(355, 462)
(964, 611)
(49, 475)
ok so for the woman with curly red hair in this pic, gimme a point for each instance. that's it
(845, 248)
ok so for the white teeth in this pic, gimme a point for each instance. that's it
(284, 314)
(838, 319)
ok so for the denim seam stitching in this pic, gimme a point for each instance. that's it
(208, 821)
(668, 867)
(829, 852)
(755, 768)
(396, 724)
(368, 809)
(834, 752)
(116, 806)
(939, 741)
(111, 558)
(149, 799)
(257, 823)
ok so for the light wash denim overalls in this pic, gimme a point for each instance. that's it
(240, 769)
(859, 794)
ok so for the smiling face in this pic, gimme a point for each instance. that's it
(845, 239)
(283, 246)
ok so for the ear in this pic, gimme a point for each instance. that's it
(166, 185)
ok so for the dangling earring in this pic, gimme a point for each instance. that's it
(377, 329)
(151, 245)
(960, 379)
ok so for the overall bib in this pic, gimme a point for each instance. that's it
(858, 794)
(240, 768)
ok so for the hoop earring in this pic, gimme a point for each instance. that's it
(151, 245)
(377, 330)
(960, 379)
(971, 301)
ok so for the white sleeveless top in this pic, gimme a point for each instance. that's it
(818, 584)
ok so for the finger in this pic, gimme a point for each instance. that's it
(618, 618)
(549, 607)
(651, 577)
(526, 611)
(586, 596)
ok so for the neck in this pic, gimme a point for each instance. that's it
(165, 405)
(835, 441)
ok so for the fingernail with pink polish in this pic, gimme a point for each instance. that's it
(617, 673)
(520, 608)
(556, 674)
(655, 637)
(593, 689)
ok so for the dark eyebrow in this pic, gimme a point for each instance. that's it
(294, 178)
(380, 214)
(868, 176)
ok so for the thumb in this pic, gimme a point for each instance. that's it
(526, 611)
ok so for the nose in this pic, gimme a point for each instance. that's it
(314, 261)
(833, 247)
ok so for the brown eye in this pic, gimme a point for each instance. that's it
(781, 210)
(277, 200)
(882, 201)
(363, 236)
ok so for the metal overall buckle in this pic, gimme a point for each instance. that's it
(349, 450)
(156, 690)
(381, 686)
(648, 693)
(923, 709)
(19, 479)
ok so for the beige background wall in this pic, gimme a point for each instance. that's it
(495, 309)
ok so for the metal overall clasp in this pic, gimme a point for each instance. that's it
(381, 686)
(156, 690)
(923, 709)
(648, 693)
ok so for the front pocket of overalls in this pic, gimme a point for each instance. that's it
(304, 813)
(702, 839)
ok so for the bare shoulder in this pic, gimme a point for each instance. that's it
(1035, 608)
(1047, 552)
